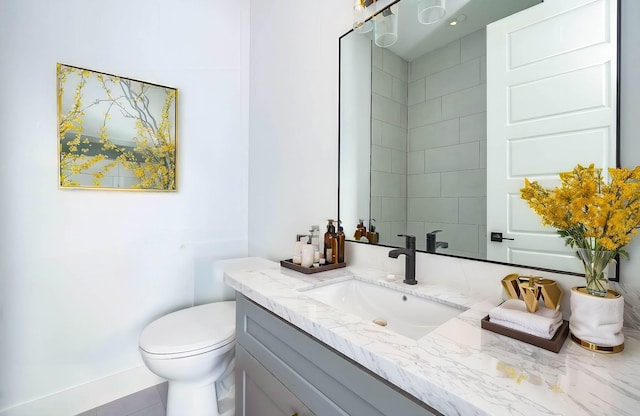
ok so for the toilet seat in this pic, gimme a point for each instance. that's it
(190, 331)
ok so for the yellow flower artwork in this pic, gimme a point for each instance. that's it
(115, 132)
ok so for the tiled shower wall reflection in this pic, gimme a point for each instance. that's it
(435, 134)
(389, 144)
(447, 145)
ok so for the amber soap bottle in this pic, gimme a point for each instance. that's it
(330, 242)
(361, 231)
(340, 238)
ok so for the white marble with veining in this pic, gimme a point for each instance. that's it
(458, 368)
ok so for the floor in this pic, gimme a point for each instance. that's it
(148, 402)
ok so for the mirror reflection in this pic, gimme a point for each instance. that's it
(413, 134)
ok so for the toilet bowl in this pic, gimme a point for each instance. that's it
(194, 350)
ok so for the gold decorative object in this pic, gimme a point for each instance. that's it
(530, 292)
(597, 348)
(531, 288)
(551, 293)
(511, 285)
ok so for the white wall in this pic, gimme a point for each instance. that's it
(293, 137)
(82, 272)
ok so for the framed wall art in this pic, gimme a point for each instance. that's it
(115, 132)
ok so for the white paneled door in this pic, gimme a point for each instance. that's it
(551, 104)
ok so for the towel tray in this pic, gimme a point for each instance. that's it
(554, 344)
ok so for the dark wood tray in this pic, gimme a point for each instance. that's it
(289, 264)
(554, 344)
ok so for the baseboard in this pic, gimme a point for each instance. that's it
(87, 396)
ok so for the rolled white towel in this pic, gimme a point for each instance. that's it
(546, 333)
(513, 314)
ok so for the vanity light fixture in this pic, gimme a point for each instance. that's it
(386, 27)
(431, 11)
(360, 24)
(385, 22)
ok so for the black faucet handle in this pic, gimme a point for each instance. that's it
(409, 239)
(434, 231)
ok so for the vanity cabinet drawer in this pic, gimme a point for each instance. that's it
(328, 383)
(262, 394)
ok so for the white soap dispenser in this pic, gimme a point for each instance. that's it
(307, 254)
(297, 249)
(314, 235)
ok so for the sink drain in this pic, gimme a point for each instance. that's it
(380, 321)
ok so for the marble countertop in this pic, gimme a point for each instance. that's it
(458, 368)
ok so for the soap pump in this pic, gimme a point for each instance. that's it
(340, 240)
(373, 236)
(330, 243)
(314, 236)
(297, 251)
(361, 231)
(307, 254)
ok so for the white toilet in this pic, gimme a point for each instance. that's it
(194, 350)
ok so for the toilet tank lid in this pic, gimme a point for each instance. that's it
(200, 327)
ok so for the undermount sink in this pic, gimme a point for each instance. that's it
(406, 314)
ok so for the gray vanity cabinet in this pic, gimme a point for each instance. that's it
(275, 361)
(262, 393)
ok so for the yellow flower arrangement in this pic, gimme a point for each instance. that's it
(589, 213)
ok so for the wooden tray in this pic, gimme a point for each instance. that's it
(289, 264)
(554, 344)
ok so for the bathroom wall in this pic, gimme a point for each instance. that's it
(293, 134)
(81, 271)
(389, 144)
(447, 184)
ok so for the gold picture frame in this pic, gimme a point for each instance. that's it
(115, 132)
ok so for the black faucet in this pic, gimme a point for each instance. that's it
(410, 258)
(432, 245)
